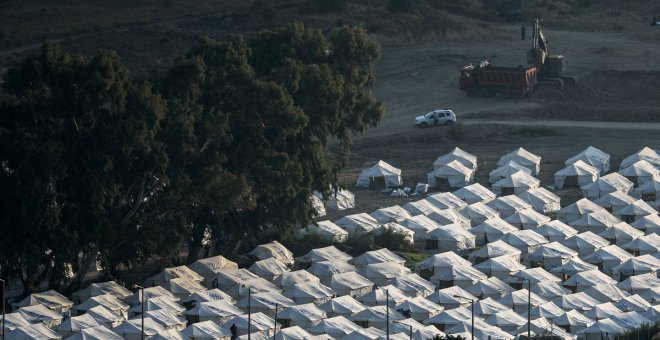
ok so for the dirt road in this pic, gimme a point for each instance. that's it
(565, 124)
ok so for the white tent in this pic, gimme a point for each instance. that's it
(573, 321)
(309, 292)
(508, 321)
(585, 243)
(260, 323)
(288, 279)
(635, 210)
(383, 273)
(41, 314)
(406, 234)
(451, 317)
(474, 193)
(576, 175)
(414, 285)
(508, 205)
(317, 204)
(377, 256)
(265, 303)
(446, 200)
(95, 333)
(350, 283)
(323, 254)
(419, 308)
(608, 257)
(614, 201)
(572, 267)
(294, 333)
(532, 275)
(420, 225)
(525, 240)
(600, 327)
(342, 306)
(518, 300)
(217, 311)
(491, 287)
(648, 191)
(173, 273)
(76, 323)
(225, 280)
(133, 330)
(15, 320)
(450, 216)
(515, 184)
(637, 265)
(357, 223)
(211, 266)
(324, 270)
(606, 184)
(182, 288)
(648, 244)
(595, 222)
(380, 175)
(488, 306)
(633, 303)
(527, 219)
(548, 310)
(341, 199)
(303, 315)
(576, 210)
(273, 249)
(524, 158)
(602, 311)
(594, 157)
(621, 233)
(420, 207)
(105, 317)
(641, 172)
(645, 154)
(440, 261)
(549, 290)
(325, 229)
(35, 331)
(606, 292)
(541, 200)
(449, 238)
(51, 299)
(506, 170)
(501, 266)
(336, 327)
(556, 230)
(166, 318)
(452, 297)
(590, 278)
(495, 249)
(552, 255)
(106, 300)
(94, 289)
(649, 224)
(479, 212)
(206, 330)
(491, 230)
(381, 295)
(579, 301)
(457, 276)
(468, 160)
(451, 175)
(390, 214)
(269, 268)
(639, 284)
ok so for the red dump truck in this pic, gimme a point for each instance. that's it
(485, 80)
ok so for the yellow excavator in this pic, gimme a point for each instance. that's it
(550, 68)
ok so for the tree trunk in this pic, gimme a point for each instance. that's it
(195, 243)
(79, 278)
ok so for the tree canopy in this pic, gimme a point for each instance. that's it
(230, 142)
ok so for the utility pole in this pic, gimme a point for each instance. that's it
(4, 291)
(249, 330)
(387, 314)
(142, 303)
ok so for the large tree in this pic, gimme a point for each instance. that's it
(81, 165)
(264, 107)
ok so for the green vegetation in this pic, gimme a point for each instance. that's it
(229, 142)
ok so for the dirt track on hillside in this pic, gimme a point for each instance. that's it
(617, 79)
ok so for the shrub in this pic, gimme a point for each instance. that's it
(392, 240)
(357, 244)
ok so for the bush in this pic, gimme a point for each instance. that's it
(357, 244)
(326, 6)
(400, 5)
(392, 240)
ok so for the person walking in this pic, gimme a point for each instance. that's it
(522, 31)
(234, 331)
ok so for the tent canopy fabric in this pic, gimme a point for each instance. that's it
(390, 175)
(474, 193)
(393, 213)
(457, 154)
(454, 173)
(377, 256)
(446, 200)
(324, 254)
(519, 182)
(594, 157)
(357, 223)
(205, 330)
(646, 154)
(506, 170)
(581, 171)
(524, 158)
(541, 200)
(325, 229)
(273, 249)
(606, 184)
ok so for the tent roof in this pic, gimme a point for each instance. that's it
(273, 249)
(377, 256)
(350, 280)
(205, 330)
(520, 156)
(579, 168)
(50, 299)
(308, 312)
(610, 182)
(524, 238)
(475, 192)
(640, 168)
(443, 260)
(581, 207)
(519, 179)
(590, 155)
(330, 267)
(380, 169)
(342, 304)
(324, 227)
(527, 216)
(288, 279)
(420, 208)
(585, 239)
(334, 326)
(390, 214)
(106, 300)
(574, 265)
(99, 332)
(637, 208)
(269, 266)
(573, 318)
(646, 154)
(494, 249)
(491, 285)
(457, 154)
(446, 200)
(509, 202)
(453, 168)
(556, 228)
(592, 277)
(354, 222)
(39, 313)
(419, 305)
(212, 265)
(313, 290)
(217, 308)
(267, 300)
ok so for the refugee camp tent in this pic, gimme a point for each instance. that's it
(488, 306)
(551, 255)
(269, 268)
(579, 301)
(633, 303)
(506, 170)
(585, 243)
(614, 201)
(577, 210)
(550, 290)
(265, 303)
(491, 230)
(518, 300)
(210, 267)
(357, 223)
(206, 330)
(495, 249)
(525, 240)
(302, 315)
(273, 249)
(76, 323)
(95, 333)
(394, 213)
(420, 207)
(133, 329)
(532, 275)
(508, 321)
(94, 289)
(600, 327)
(377, 256)
(258, 323)
(324, 270)
(218, 311)
(309, 292)
(548, 310)
(446, 200)
(350, 283)
(380, 175)
(478, 213)
(474, 193)
(451, 175)
(159, 302)
(590, 278)
(452, 297)
(606, 292)
(418, 308)
(573, 321)
(451, 317)
(182, 288)
(639, 283)
(524, 158)
(288, 279)
(606, 184)
(637, 265)
(641, 172)
(635, 210)
(602, 311)
(649, 224)
(414, 285)
(33, 331)
(595, 222)
(501, 266)
(648, 244)
(515, 184)
(508, 205)
(390, 228)
(341, 199)
(450, 216)
(325, 229)
(647, 191)
(576, 175)
(336, 327)
(541, 200)
(168, 274)
(13, 321)
(436, 262)
(167, 319)
(491, 287)
(51, 299)
(468, 160)
(106, 300)
(383, 273)
(449, 238)
(594, 157)
(608, 257)
(621, 233)
(105, 317)
(645, 154)
(457, 276)
(41, 314)
(342, 306)
(420, 225)
(556, 230)
(527, 219)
